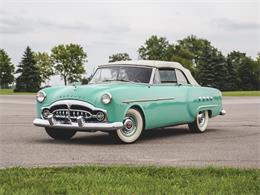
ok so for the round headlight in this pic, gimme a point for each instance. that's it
(106, 98)
(40, 96)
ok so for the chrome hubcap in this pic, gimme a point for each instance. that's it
(201, 119)
(129, 126)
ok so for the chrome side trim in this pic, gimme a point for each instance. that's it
(79, 127)
(147, 100)
(207, 106)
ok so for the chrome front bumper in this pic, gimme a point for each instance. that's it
(79, 126)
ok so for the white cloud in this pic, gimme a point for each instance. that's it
(232, 25)
(107, 27)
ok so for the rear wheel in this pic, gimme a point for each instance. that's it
(199, 125)
(133, 127)
(60, 134)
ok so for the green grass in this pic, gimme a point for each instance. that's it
(241, 93)
(129, 180)
(11, 92)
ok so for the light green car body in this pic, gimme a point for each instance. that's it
(161, 105)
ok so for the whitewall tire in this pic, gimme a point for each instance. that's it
(133, 127)
(199, 125)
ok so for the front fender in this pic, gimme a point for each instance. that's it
(116, 111)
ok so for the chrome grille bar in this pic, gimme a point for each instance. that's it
(63, 113)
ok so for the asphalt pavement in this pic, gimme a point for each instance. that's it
(231, 140)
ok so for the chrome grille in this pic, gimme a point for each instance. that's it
(70, 113)
(64, 113)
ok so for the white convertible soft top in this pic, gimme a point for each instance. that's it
(157, 64)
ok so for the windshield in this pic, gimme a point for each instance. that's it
(122, 73)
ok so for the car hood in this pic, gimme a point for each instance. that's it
(89, 93)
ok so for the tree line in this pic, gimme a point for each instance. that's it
(235, 71)
(36, 68)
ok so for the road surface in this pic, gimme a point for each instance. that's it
(231, 140)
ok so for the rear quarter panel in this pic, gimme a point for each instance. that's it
(204, 98)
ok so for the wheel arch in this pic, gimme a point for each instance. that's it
(210, 108)
(206, 109)
(140, 109)
(210, 113)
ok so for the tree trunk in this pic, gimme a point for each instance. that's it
(65, 80)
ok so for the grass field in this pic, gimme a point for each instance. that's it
(11, 92)
(129, 180)
(241, 93)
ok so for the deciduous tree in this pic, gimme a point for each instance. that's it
(119, 57)
(69, 61)
(155, 48)
(45, 65)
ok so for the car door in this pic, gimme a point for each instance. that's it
(171, 107)
(187, 91)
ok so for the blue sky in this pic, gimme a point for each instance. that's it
(107, 27)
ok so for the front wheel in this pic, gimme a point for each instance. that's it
(199, 125)
(60, 134)
(133, 127)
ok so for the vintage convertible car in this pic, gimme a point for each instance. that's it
(125, 98)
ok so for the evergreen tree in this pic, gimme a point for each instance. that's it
(29, 79)
(245, 69)
(232, 75)
(256, 73)
(6, 70)
(234, 60)
(212, 70)
(205, 69)
(246, 74)
(221, 74)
